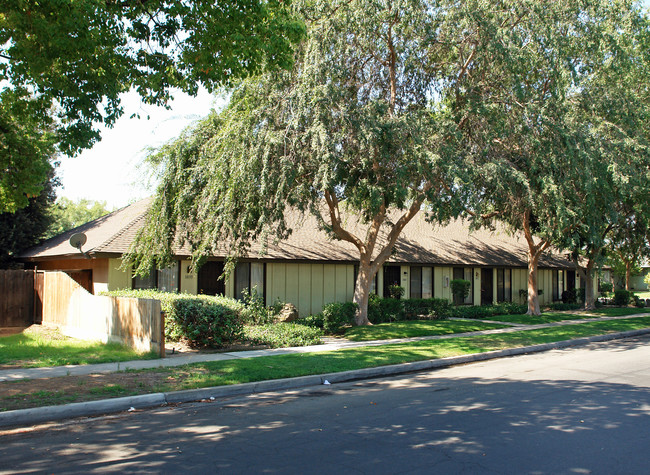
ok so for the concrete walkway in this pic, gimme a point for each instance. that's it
(23, 417)
(331, 344)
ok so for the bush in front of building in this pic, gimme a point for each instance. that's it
(200, 320)
(283, 335)
(486, 311)
(622, 297)
(334, 318)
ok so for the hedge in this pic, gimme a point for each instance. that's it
(201, 320)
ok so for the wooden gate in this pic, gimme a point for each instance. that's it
(16, 298)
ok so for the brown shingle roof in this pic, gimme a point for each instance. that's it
(420, 243)
(100, 233)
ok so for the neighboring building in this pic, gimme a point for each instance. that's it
(637, 282)
(309, 269)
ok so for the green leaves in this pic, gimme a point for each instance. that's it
(69, 61)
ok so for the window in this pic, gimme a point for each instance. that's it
(249, 276)
(165, 280)
(421, 282)
(504, 285)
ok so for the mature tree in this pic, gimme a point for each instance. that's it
(610, 196)
(27, 226)
(348, 135)
(368, 129)
(68, 214)
(629, 243)
(27, 148)
(524, 138)
(67, 61)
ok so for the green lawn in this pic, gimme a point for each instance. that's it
(551, 317)
(37, 348)
(244, 370)
(247, 370)
(410, 329)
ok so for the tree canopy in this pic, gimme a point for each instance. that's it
(392, 109)
(66, 62)
(68, 214)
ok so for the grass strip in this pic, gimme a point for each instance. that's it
(552, 317)
(245, 370)
(32, 349)
(416, 328)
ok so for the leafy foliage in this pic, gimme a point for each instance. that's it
(200, 320)
(68, 214)
(623, 297)
(460, 289)
(283, 335)
(27, 226)
(66, 62)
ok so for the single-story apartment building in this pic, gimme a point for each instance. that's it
(310, 270)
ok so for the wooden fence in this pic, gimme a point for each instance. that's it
(16, 298)
(77, 313)
(54, 298)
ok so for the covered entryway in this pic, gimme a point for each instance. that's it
(487, 287)
(391, 277)
(208, 279)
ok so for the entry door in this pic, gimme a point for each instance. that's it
(571, 280)
(391, 277)
(487, 287)
(208, 279)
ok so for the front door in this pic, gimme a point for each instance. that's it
(571, 279)
(391, 277)
(487, 287)
(208, 279)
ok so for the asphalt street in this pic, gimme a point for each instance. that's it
(576, 410)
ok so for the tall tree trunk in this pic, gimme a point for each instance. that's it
(533, 297)
(534, 253)
(590, 299)
(628, 274)
(362, 292)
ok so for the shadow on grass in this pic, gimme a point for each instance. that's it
(411, 423)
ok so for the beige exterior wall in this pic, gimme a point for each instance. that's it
(309, 286)
(118, 279)
(189, 279)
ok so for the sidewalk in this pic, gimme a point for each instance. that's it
(25, 417)
(181, 359)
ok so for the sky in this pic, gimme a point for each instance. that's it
(111, 171)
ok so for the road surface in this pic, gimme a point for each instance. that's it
(575, 411)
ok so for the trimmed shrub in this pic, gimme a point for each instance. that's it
(201, 320)
(622, 297)
(428, 308)
(565, 306)
(385, 310)
(605, 287)
(569, 297)
(337, 315)
(487, 311)
(283, 335)
(396, 291)
(460, 289)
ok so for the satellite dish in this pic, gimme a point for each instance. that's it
(77, 240)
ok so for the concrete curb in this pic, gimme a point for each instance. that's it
(37, 415)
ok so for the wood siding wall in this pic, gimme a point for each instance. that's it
(134, 322)
(16, 298)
